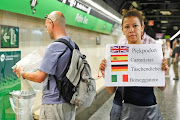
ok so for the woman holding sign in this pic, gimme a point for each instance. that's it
(139, 102)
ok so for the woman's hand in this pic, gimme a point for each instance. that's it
(162, 88)
(102, 66)
(164, 66)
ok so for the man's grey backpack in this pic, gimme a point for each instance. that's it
(77, 85)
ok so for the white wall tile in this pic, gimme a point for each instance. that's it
(33, 36)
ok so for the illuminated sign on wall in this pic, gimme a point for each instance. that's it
(151, 22)
(159, 35)
(9, 36)
(76, 4)
(74, 16)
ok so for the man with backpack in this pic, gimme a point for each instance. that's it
(55, 61)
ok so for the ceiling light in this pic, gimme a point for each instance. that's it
(135, 4)
(158, 25)
(165, 12)
(175, 35)
(163, 30)
(164, 21)
(167, 1)
(175, 28)
(103, 10)
(163, 27)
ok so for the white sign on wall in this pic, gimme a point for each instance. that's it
(134, 65)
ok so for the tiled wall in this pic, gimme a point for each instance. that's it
(33, 36)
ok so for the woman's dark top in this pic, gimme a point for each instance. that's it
(118, 97)
(141, 96)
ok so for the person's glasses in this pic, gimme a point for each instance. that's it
(46, 16)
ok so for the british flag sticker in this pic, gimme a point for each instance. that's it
(119, 49)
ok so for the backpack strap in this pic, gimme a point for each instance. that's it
(59, 86)
(49, 75)
(76, 46)
(122, 94)
(58, 82)
(67, 43)
(71, 48)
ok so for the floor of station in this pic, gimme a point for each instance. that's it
(168, 101)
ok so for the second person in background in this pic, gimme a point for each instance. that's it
(168, 53)
(175, 58)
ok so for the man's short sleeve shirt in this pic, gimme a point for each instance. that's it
(53, 65)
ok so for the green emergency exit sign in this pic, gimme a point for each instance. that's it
(9, 36)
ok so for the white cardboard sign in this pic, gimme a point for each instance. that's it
(134, 65)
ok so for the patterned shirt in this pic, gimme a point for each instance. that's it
(146, 39)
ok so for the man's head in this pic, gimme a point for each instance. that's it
(55, 24)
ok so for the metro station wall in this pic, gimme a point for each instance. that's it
(33, 36)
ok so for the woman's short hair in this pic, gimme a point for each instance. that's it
(133, 12)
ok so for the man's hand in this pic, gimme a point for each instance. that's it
(174, 60)
(18, 71)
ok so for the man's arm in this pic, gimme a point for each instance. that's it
(171, 52)
(37, 76)
(176, 57)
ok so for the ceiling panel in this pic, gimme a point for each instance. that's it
(157, 10)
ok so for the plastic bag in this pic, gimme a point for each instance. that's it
(21, 102)
(30, 63)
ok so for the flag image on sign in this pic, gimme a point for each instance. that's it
(114, 78)
(119, 67)
(124, 49)
(125, 78)
(134, 65)
(119, 58)
(114, 49)
(119, 49)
